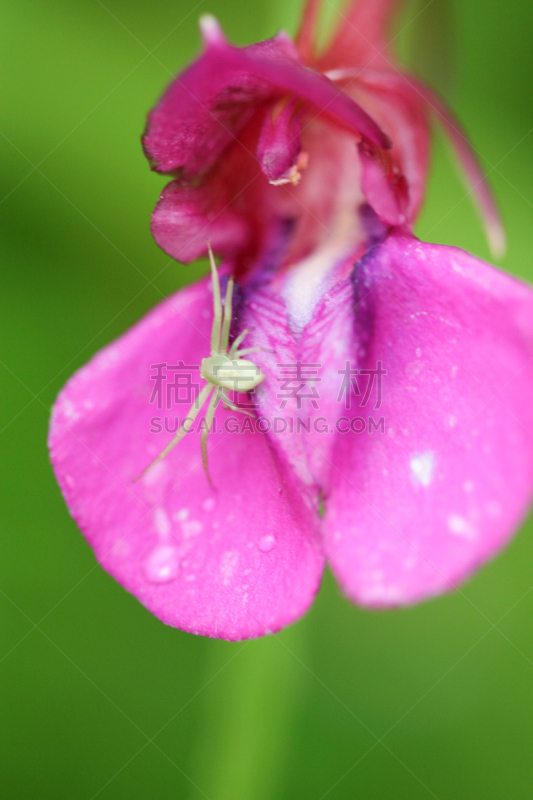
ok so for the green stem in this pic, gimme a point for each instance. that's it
(247, 718)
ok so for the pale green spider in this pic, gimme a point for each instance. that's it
(224, 370)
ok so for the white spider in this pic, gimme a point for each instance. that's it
(224, 370)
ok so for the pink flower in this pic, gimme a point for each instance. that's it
(306, 173)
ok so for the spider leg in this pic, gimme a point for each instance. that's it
(246, 350)
(210, 413)
(230, 404)
(228, 313)
(217, 305)
(193, 413)
(235, 346)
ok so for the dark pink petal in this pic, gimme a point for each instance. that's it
(304, 325)
(413, 139)
(306, 36)
(383, 185)
(402, 112)
(206, 107)
(412, 511)
(209, 104)
(279, 143)
(184, 218)
(293, 78)
(393, 181)
(363, 36)
(234, 562)
(474, 175)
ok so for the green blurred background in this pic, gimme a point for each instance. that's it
(100, 699)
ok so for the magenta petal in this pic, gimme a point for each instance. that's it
(185, 218)
(279, 143)
(307, 35)
(315, 88)
(473, 173)
(205, 107)
(397, 104)
(209, 104)
(386, 191)
(235, 562)
(363, 37)
(410, 92)
(414, 510)
(298, 335)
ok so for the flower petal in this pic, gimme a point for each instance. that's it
(204, 109)
(234, 562)
(384, 186)
(297, 398)
(279, 143)
(307, 31)
(397, 91)
(362, 35)
(414, 509)
(474, 175)
(402, 112)
(208, 104)
(186, 217)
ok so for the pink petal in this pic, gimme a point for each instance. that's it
(304, 336)
(412, 138)
(363, 35)
(412, 511)
(206, 107)
(394, 180)
(306, 36)
(402, 112)
(291, 77)
(234, 562)
(473, 172)
(185, 217)
(279, 143)
(383, 185)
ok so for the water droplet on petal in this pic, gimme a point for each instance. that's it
(162, 565)
(267, 543)
(154, 474)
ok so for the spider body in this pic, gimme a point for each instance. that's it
(233, 374)
(225, 370)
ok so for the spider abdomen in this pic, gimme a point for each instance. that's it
(235, 374)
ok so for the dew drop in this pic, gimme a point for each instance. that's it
(267, 543)
(460, 526)
(162, 565)
(422, 468)
(154, 474)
